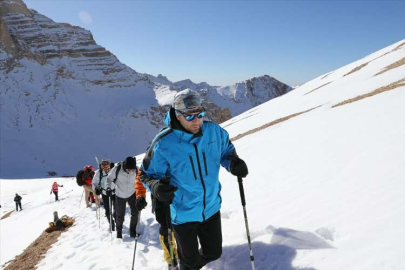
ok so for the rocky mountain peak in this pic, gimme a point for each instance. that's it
(13, 6)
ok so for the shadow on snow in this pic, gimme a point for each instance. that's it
(279, 254)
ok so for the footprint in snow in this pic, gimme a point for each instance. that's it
(57, 266)
(326, 233)
(70, 255)
(150, 221)
(226, 214)
(79, 244)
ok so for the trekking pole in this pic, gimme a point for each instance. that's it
(242, 196)
(81, 198)
(98, 207)
(136, 238)
(169, 234)
(109, 198)
(66, 191)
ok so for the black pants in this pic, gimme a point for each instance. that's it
(56, 195)
(106, 204)
(120, 205)
(208, 233)
(160, 215)
(18, 204)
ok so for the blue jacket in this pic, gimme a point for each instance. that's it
(192, 162)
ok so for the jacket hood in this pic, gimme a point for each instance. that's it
(171, 121)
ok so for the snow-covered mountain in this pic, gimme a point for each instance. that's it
(64, 98)
(237, 98)
(325, 188)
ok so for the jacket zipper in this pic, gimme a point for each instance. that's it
(205, 164)
(192, 165)
(201, 178)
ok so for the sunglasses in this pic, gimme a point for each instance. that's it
(191, 117)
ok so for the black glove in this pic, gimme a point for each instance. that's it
(98, 190)
(109, 192)
(61, 185)
(162, 190)
(238, 167)
(140, 203)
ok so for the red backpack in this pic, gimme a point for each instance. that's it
(85, 176)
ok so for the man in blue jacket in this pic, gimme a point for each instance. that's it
(188, 154)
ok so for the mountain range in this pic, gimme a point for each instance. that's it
(65, 99)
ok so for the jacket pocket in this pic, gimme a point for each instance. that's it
(177, 209)
(192, 165)
(205, 164)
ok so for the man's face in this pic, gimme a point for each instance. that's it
(130, 171)
(105, 167)
(194, 125)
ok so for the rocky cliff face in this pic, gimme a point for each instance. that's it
(64, 98)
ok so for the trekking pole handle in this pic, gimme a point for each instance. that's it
(241, 190)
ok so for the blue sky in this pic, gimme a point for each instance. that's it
(224, 42)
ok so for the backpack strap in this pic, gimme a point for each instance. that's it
(101, 176)
(117, 171)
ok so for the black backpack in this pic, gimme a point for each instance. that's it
(79, 178)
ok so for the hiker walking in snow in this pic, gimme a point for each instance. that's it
(87, 178)
(123, 175)
(100, 187)
(188, 154)
(17, 200)
(55, 189)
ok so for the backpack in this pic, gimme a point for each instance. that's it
(79, 178)
(119, 166)
(84, 174)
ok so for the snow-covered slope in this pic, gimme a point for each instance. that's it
(64, 98)
(325, 188)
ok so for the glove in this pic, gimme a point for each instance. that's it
(61, 185)
(98, 190)
(50, 192)
(238, 167)
(140, 203)
(108, 192)
(162, 190)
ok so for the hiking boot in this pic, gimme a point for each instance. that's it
(119, 234)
